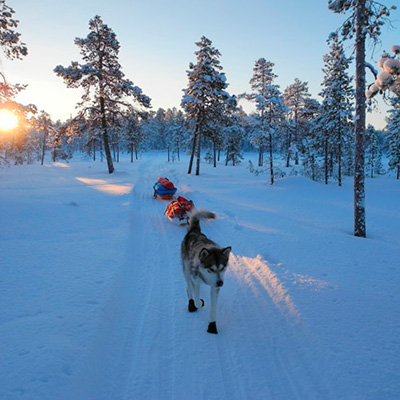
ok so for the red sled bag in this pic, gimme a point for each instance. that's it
(164, 189)
(177, 210)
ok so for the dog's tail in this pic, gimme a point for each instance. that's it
(196, 216)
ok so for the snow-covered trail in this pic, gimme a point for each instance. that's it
(149, 345)
(93, 299)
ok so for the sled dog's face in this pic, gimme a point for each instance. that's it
(213, 263)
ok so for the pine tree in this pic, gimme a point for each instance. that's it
(365, 20)
(337, 106)
(133, 135)
(393, 128)
(295, 96)
(205, 99)
(373, 152)
(176, 131)
(45, 128)
(270, 108)
(12, 47)
(233, 135)
(101, 77)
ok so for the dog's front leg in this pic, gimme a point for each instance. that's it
(196, 291)
(212, 325)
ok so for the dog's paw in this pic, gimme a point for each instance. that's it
(192, 307)
(212, 327)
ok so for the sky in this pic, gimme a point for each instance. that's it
(158, 37)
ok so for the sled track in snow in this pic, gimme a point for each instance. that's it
(149, 346)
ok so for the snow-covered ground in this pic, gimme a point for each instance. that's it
(93, 302)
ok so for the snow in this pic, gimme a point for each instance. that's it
(93, 301)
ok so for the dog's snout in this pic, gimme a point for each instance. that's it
(220, 283)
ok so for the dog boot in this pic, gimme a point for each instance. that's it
(192, 307)
(212, 327)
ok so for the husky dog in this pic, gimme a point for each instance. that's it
(203, 261)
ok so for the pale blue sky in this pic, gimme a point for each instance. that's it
(157, 43)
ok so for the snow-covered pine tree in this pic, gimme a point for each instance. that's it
(373, 151)
(105, 87)
(60, 142)
(233, 137)
(132, 135)
(365, 20)
(295, 96)
(45, 128)
(337, 108)
(176, 131)
(270, 109)
(393, 129)
(12, 48)
(205, 98)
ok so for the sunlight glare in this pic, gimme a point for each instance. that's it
(8, 120)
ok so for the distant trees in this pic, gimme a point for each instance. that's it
(101, 77)
(206, 101)
(393, 128)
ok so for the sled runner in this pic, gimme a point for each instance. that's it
(164, 189)
(177, 210)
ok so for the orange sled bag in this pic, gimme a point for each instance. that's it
(177, 210)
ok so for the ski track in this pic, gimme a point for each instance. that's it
(146, 335)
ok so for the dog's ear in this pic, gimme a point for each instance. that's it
(204, 254)
(226, 251)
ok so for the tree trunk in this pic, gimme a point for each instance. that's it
(271, 160)
(288, 150)
(105, 137)
(198, 154)
(359, 174)
(44, 145)
(131, 146)
(215, 155)
(340, 157)
(192, 154)
(326, 161)
(261, 156)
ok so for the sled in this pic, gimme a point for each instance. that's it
(177, 210)
(164, 189)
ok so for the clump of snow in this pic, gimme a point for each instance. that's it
(395, 49)
(384, 79)
(392, 66)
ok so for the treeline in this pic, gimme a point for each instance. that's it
(115, 117)
(169, 131)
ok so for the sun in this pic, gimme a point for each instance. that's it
(8, 120)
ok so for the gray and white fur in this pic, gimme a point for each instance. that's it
(205, 262)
